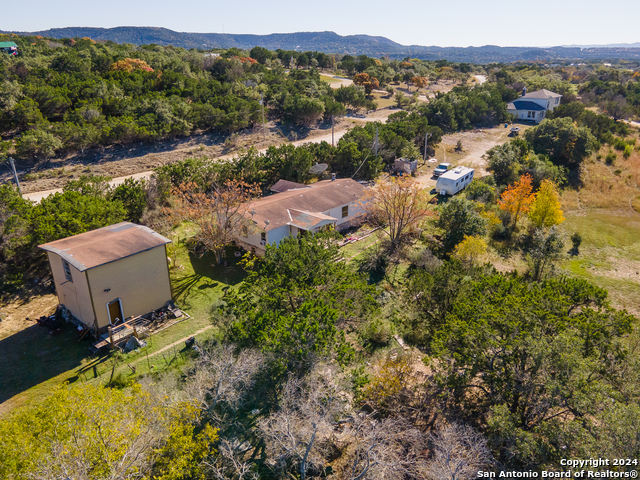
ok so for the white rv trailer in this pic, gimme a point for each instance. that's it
(454, 180)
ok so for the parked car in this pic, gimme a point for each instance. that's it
(442, 168)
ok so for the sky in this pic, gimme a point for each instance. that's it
(458, 23)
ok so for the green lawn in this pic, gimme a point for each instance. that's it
(33, 362)
(609, 254)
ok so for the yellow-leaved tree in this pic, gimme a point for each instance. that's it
(470, 250)
(545, 210)
(90, 432)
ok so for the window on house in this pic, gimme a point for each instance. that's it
(67, 270)
(345, 211)
(245, 231)
(529, 114)
(557, 100)
(263, 236)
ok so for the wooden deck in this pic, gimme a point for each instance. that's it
(141, 326)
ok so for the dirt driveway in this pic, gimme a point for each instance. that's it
(474, 145)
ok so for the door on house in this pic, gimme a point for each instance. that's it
(115, 311)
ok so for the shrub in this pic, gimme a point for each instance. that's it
(619, 144)
(610, 158)
(576, 240)
(628, 150)
(376, 332)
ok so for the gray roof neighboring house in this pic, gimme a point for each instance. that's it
(524, 105)
(544, 93)
(105, 245)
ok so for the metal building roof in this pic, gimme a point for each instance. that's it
(105, 245)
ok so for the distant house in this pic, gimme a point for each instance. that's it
(297, 211)
(111, 273)
(9, 47)
(534, 106)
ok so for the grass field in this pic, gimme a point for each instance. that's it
(383, 101)
(609, 254)
(328, 79)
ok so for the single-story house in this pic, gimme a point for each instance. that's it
(326, 204)
(534, 106)
(110, 274)
(9, 47)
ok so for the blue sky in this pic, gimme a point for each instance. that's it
(410, 22)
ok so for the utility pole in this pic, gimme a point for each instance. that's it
(15, 175)
(333, 144)
(264, 128)
(426, 140)
(375, 144)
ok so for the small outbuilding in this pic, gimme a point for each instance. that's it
(110, 274)
(404, 165)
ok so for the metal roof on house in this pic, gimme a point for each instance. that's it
(105, 245)
(272, 212)
(524, 105)
(544, 93)
(285, 185)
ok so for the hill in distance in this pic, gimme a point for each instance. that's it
(331, 42)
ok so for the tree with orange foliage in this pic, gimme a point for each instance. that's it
(420, 82)
(130, 65)
(517, 198)
(220, 214)
(400, 205)
(369, 83)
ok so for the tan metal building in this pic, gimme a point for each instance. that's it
(115, 272)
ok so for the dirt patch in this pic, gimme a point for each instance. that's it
(21, 314)
(623, 269)
(475, 144)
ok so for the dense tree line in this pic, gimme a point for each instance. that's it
(78, 94)
(85, 205)
(464, 108)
